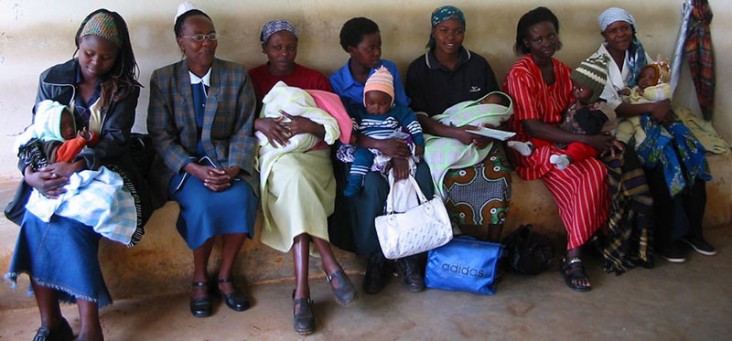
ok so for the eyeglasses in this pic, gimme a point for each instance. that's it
(201, 37)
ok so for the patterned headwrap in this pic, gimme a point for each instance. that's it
(636, 52)
(274, 26)
(102, 25)
(443, 13)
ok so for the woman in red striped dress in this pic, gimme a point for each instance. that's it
(541, 89)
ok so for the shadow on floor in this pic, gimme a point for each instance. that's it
(673, 301)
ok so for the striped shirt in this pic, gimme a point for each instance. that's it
(388, 125)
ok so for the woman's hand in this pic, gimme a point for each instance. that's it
(215, 179)
(463, 135)
(45, 181)
(394, 148)
(662, 112)
(400, 167)
(616, 148)
(65, 169)
(220, 179)
(602, 143)
(274, 129)
(302, 125)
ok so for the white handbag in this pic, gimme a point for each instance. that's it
(421, 228)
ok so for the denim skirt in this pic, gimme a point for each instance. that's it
(63, 255)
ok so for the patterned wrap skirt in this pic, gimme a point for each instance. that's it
(479, 195)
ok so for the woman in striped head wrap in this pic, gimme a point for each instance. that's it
(60, 255)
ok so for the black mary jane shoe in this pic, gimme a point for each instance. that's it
(303, 318)
(62, 332)
(201, 307)
(343, 288)
(235, 300)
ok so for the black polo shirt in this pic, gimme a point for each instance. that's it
(433, 88)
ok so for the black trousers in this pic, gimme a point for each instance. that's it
(678, 216)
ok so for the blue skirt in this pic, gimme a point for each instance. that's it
(61, 255)
(205, 214)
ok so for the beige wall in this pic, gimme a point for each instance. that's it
(36, 34)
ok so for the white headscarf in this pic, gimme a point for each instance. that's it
(636, 53)
(612, 15)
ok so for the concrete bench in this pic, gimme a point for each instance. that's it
(162, 263)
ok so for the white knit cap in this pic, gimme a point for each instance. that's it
(46, 124)
(182, 9)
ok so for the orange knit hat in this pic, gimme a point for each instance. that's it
(381, 80)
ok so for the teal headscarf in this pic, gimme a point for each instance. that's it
(443, 13)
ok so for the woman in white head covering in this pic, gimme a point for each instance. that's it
(675, 168)
(208, 160)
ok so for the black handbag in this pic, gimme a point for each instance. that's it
(529, 252)
(15, 209)
(142, 152)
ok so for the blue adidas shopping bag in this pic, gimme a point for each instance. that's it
(463, 264)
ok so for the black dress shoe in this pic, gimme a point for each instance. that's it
(62, 332)
(303, 318)
(378, 273)
(235, 300)
(343, 289)
(201, 307)
(410, 270)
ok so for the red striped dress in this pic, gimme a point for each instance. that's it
(580, 190)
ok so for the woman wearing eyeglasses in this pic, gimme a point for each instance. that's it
(200, 119)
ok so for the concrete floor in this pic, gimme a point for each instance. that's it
(689, 301)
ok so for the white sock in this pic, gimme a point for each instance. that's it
(524, 148)
(561, 161)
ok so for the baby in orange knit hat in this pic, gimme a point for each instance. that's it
(380, 118)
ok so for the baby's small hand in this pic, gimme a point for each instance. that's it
(84, 133)
(625, 92)
(419, 150)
